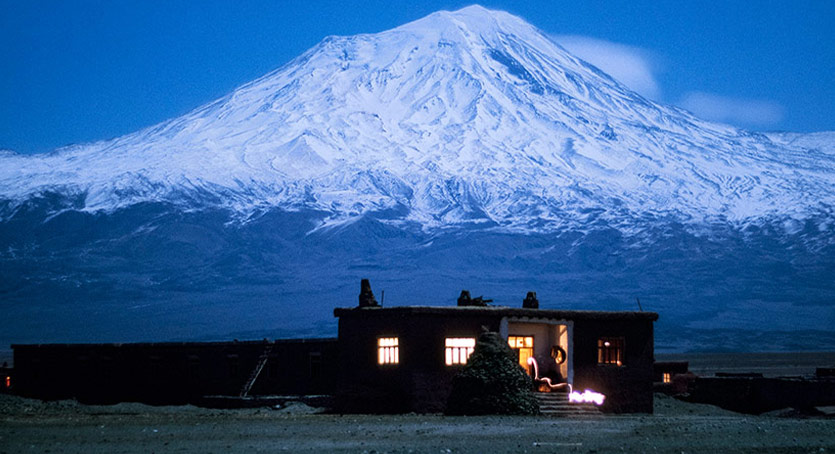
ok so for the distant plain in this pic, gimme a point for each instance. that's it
(779, 364)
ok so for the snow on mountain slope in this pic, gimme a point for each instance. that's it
(466, 116)
(821, 141)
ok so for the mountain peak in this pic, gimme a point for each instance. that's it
(473, 14)
(476, 10)
(465, 116)
(472, 22)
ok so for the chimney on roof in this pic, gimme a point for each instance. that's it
(465, 299)
(530, 301)
(366, 295)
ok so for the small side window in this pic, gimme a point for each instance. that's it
(610, 350)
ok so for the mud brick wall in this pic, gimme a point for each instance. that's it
(628, 388)
(171, 373)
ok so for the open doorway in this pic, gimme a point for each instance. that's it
(543, 348)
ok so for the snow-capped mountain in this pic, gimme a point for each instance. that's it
(462, 150)
(465, 116)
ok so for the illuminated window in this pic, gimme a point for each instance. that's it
(8, 381)
(610, 350)
(524, 346)
(457, 350)
(388, 350)
(666, 377)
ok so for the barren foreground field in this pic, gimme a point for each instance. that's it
(28, 426)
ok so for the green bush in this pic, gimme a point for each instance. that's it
(492, 382)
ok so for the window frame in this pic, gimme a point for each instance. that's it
(388, 351)
(193, 367)
(611, 351)
(233, 364)
(314, 363)
(452, 353)
(518, 350)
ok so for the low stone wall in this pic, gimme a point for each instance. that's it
(757, 395)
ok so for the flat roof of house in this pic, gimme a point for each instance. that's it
(179, 344)
(502, 311)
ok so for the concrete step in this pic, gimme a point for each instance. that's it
(574, 408)
(552, 396)
(570, 412)
(557, 405)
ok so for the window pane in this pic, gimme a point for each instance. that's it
(387, 350)
(610, 350)
(457, 350)
(524, 347)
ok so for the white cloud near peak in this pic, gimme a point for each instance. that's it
(637, 68)
(752, 112)
(629, 65)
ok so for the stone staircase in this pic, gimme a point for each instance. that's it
(556, 404)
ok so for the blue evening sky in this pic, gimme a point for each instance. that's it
(80, 71)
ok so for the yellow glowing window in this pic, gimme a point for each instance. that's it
(388, 350)
(610, 350)
(666, 377)
(457, 350)
(523, 345)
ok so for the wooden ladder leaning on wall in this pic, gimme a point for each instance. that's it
(259, 366)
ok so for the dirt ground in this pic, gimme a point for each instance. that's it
(29, 426)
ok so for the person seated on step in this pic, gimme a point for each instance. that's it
(552, 381)
(547, 384)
